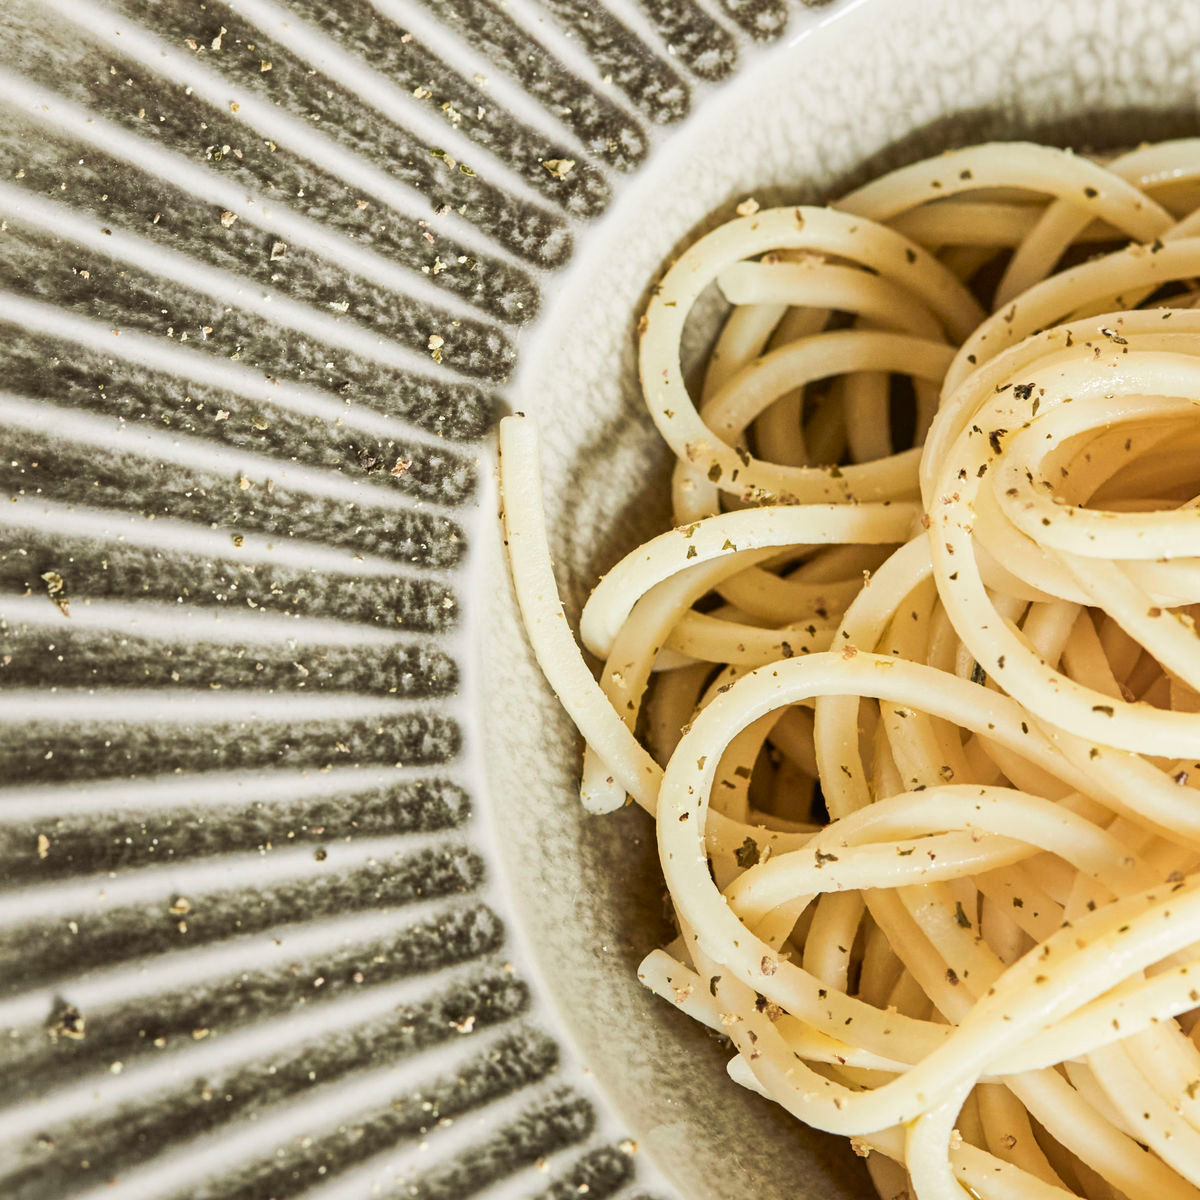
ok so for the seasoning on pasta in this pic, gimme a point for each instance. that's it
(916, 674)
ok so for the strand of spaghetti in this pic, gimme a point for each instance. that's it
(546, 623)
(742, 339)
(634, 650)
(748, 529)
(683, 801)
(824, 285)
(892, 256)
(927, 1149)
(749, 392)
(1072, 528)
(960, 222)
(971, 376)
(916, 815)
(1013, 164)
(1057, 298)
(1062, 221)
(699, 635)
(1047, 693)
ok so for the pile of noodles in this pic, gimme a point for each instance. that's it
(916, 676)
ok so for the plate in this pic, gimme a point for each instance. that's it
(295, 898)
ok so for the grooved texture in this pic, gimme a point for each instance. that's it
(115, 839)
(69, 375)
(110, 569)
(263, 269)
(35, 464)
(91, 939)
(39, 1058)
(645, 79)
(69, 657)
(38, 265)
(465, 106)
(138, 1130)
(605, 130)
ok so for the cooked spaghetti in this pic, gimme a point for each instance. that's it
(916, 676)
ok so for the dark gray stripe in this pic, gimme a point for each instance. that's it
(708, 49)
(297, 87)
(138, 1131)
(524, 1057)
(42, 1058)
(357, 26)
(38, 264)
(69, 375)
(84, 843)
(596, 1176)
(41, 953)
(109, 569)
(43, 47)
(645, 78)
(34, 464)
(63, 656)
(762, 19)
(539, 1131)
(40, 751)
(57, 57)
(119, 194)
(606, 130)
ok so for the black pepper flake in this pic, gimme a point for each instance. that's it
(1023, 391)
(952, 977)
(822, 858)
(994, 439)
(747, 854)
(1105, 710)
(1090, 193)
(67, 1022)
(978, 675)
(960, 915)
(910, 254)
(712, 985)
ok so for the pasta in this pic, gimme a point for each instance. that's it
(912, 688)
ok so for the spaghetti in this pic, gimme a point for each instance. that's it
(916, 673)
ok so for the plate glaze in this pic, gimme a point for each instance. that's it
(293, 903)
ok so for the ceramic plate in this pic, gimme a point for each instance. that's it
(295, 897)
